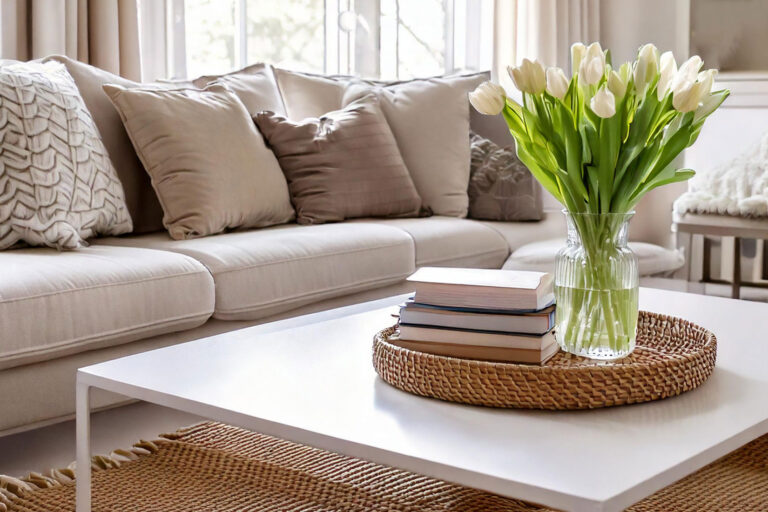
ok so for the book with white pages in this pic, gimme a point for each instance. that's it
(474, 337)
(534, 322)
(483, 288)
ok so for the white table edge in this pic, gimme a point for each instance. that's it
(525, 492)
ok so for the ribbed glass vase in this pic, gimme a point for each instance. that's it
(596, 287)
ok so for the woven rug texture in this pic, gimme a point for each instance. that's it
(216, 467)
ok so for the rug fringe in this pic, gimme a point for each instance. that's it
(12, 488)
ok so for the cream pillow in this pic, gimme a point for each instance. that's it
(207, 161)
(306, 95)
(430, 120)
(57, 184)
(255, 85)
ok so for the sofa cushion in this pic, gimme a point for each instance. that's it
(255, 85)
(267, 271)
(139, 197)
(451, 242)
(209, 164)
(58, 303)
(517, 234)
(540, 256)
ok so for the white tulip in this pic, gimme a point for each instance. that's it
(529, 77)
(687, 72)
(578, 51)
(646, 67)
(603, 103)
(687, 96)
(591, 71)
(488, 98)
(557, 83)
(668, 68)
(617, 85)
(707, 79)
(592, 65)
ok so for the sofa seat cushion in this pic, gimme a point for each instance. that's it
(451, 242)
(268, 271)
(540, 256)
(58, 303)
(517, 234)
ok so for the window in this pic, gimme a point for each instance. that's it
(388, 39)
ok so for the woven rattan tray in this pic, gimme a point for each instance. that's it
(672, 356)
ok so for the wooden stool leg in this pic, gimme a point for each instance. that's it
(735, 288)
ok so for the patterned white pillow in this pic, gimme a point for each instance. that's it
(57, 184)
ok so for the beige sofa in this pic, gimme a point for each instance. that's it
(63, 310)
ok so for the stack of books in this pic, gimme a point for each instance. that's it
(491, 315)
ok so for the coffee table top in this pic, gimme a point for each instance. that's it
(310, 380)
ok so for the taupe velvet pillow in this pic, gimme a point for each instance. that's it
(343, 165)
(208, 163)
(500, 186)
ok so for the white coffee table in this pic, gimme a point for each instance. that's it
(310, 380)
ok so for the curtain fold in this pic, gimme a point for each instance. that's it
(104, 33)
(541, 29)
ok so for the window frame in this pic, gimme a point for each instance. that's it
(342, 48)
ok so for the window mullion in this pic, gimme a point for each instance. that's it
(241, 34)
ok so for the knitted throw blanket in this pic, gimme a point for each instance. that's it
(739, 187)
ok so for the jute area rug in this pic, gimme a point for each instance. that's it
(215, 467)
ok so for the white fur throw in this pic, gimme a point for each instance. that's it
(739, 187)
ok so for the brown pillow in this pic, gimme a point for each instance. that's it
(208, 163)
(500, 186)
(140, 199)
(343, 165)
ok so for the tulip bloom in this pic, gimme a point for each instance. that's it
(646, 68)
(617, 85)
(557, 83)
(603, 103)
(529, 77)
(488, 98)
(592, 66)
(578, 51)
(668, 69)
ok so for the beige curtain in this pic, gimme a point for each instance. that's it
(541, 29)
(104, 33)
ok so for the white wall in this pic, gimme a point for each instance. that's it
(625, 25)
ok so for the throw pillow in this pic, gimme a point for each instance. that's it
(255, 85)
(342, 165)
(57, 184)
(430, 121)
(306, 95)
(208, 163)
(500, 186)
(141, 200)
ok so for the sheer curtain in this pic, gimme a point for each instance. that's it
(541, 29)
(104, 33)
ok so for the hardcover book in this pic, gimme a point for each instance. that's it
(483, 288)
(535, 322)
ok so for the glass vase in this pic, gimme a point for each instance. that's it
(596, 287)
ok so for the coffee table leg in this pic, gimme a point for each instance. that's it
(83, 427)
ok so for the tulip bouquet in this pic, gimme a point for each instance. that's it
(598, 142)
